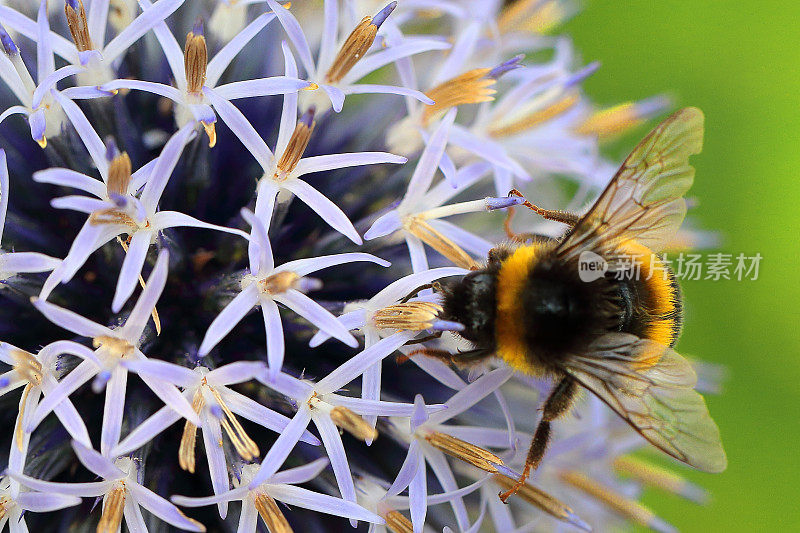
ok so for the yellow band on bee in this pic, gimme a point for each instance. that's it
(510, 329)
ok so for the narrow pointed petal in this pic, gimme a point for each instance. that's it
(25, 262)
(44, 502)
(408, 470)
(259, 249)
(137, 320)
(231, 315)
(173, 219)
(274, 331)
(69, 178)
(82, 204)
(316, 314)
(162, 170)
(289, 111)
(163, 370)
(391, 54)
(322, 503)
(134, 520)
(295, 34)
(336, 96)
(333, 445)
(261, 415)
(473, 393)
(70, 489)
(69, 384)
(215, 454)
(241, 127)
(441, 469)
(172, 397)
(140, 25)
(282, 447)
(100, 465)
(322, 163)
(131, 268)
(162, 508)
(172, 50)
(429, 160)
(71, 321)
(326, 209)
(45, 62)
(239, 493)
(301, 474)
(355, 366)
(371, 88)
(113, 409)
(236, 372)
(261, 87)
(223, 58)
(248, 517)
(90, 138)
(304, 267)
(384, 225)
(160, 89)
(416, 251)
(418, 498)
(351, 321)
(146, 431)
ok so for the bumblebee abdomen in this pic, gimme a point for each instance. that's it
(652, 297)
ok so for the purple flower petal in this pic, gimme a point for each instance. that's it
(223, 58)
(69, 178)
(316, 314)
(322, 503)
(215, 454)
(301, 474)
(146, 431)
(371, 88)
(282, 447)
(335, 95)
(231, 315)
(260, 87)
(113, 409)
(333, 445)
(329, 211)
(140, 25)
(137, 320)
(274, 332)
(69, 384)
(162, 170)
(391, 54)
(100, 465)
(131, 268)
(295, 34)
(23, 262)
(90, 138)
(321, 163)
(161, 507)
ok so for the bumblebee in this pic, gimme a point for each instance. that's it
(573, 309)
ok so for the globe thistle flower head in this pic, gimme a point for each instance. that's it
(178, 247)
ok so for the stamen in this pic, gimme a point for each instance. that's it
(471, 87)
(27, 366)
(353, 424)
(154, 312)
(543, 501)
(195, 59)
(78, 25)
(418, 227)
(633, 511)
(115, 346)
(119, 174)
(112, 215)
(113, 505)
(536, 16)
(211, 131)
(3, 512)
(279, 283)
(297, 145)
(357, 44)
(398, 523)
(271, 514)
(408, 316)
(660, 478)
(616, 120)
(18, 434)
(469, 453)
(243, 444)
(538, 116)
(186, 458)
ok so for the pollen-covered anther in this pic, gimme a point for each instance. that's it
(114, 346)
(244, 445)
(408, 316)
(119, 174)
(28, 368)
(271, 514)
(421, 229)
(211, 131)
(3, 511)
(535, 16)
(630, 509)
(78, 25)
(660, 478)
(353, 424)
(113, 505)
(527, 120)
(186, 457)
(469, 88)
(297, 145)
(195, 59)
(357, 44)
(614, 121)
(465, 451)
(542, 500)
(397, 522)
(279, 283)
(112, 215)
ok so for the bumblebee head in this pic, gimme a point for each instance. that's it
(470, 300)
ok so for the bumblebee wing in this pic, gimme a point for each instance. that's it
(652, 388)
(643, 201)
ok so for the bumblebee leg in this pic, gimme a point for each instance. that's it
(565, 217)
(418, 290)
(459, 358)
(558, 403)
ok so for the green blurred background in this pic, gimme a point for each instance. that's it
(740, 63)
